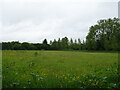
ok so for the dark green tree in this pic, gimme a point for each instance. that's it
(104, 35)
(45, 41)
(65, 43)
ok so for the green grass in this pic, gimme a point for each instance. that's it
(59, 69)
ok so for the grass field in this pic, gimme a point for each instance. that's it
(59, 69)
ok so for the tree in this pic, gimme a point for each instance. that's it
(17, 46)
(75, 41)
(79, 41)
(59, 44)
(71, 44)
(79, 44)
(51, 42)
(54, 45)
(71, 41)
(25, 46)
(104, 35)
(45, 41)
(65, 43)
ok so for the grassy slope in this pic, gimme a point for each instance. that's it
(59, 69)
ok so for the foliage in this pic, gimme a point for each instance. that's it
(61, 44)
(104, 35)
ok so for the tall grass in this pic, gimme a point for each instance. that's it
(59, 69)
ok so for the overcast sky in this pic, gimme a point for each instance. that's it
(35, 20)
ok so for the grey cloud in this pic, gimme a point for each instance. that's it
(35, 21)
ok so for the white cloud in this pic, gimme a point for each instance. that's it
(34, 22)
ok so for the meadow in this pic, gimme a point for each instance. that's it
(59, 69)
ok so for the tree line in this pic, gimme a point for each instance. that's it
(105, 35)
(60, 44)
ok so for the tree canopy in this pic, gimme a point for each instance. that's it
(104, 36)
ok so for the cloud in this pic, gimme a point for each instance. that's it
(34, 22)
